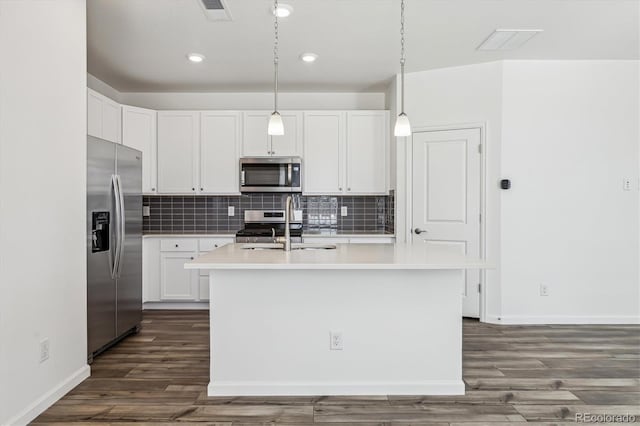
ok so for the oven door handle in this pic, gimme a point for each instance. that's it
(289, 174)
(242, 178)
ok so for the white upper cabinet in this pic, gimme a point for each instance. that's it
(324, 144)
(139, 132)
(103, 117)
(367, 135)
(289, 144)
(257, 143)
(178, 143)
(219, 156)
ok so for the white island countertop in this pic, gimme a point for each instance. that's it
(345, 256)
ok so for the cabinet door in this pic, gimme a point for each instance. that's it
(177, 283)
(323, 152)
(366, 148)
(203, 291)
(94, 114)
(150, 269)
(139, 132)
(219, 140)
(289, 144)
(111, 121)
(178, 133)
(255, 141)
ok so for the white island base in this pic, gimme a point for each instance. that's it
(271, 320)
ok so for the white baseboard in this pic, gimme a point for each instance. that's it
(149, 306)
(560, 319)
(48, 399)
(430, 387)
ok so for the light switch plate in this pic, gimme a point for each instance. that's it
(344, 211)
(231, 211)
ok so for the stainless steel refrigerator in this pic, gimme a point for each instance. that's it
(114, 246)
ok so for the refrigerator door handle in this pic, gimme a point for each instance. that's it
(116, 195)
(121, 224)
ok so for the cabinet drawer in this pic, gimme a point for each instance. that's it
(179, 244)
(208, 244)
(369, 240)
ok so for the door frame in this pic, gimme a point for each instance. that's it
(483, 194)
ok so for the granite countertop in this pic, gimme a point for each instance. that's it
(336, 233)
(182, 234)
(312, 234)
(344, 256)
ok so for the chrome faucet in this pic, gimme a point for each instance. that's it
(286, 240)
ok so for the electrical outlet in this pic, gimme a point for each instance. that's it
(544, 290)
(336, 341)
(231, 211)
(626, 184)
(44, 350)
(146, 211)
(344, 211)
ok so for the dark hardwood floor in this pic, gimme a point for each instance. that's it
(514, 374)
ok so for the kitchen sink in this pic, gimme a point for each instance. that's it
(294, 246)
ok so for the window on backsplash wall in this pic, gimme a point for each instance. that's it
(209, 214)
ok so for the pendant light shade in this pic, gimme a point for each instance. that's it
(403, 127)
(276, 127)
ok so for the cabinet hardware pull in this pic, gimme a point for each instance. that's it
(201, 189)
(193, 189)
(176, 245)
(191, 257)
(340, 189)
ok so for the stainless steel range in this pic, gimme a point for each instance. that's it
(264, 226)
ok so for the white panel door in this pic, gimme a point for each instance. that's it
(324, 134)
(139, 132)
(177, 283)
(219, 152)
(366, 149)
(111, 121)
(446, 199)
(289, 144)
(255, 141)
(178, 134)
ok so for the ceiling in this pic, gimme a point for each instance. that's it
(140, 45)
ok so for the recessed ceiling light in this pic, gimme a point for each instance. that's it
(308, 57)
(283, 11)
(195, 57)
(507, 39)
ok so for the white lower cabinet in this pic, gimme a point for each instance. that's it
(350, 240)
(177, 283)
(164, 278)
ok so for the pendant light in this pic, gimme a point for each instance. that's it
(403, 127)
(276, 127)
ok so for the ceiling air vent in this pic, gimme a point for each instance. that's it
(215, 10)
(212, 4)
(507, 39)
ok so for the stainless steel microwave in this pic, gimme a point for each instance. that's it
(271, 174)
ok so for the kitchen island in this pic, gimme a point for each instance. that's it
(360, 319)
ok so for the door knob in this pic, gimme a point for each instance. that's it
(419, 231)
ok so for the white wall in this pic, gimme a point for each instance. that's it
(101, 87)
(566, 133)
(453, 97)
(167, 101)
(570, 136)
(42, 207)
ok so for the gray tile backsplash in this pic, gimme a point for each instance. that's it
(209, 214)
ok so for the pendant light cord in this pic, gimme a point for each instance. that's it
(402, 51)
(275, 56)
